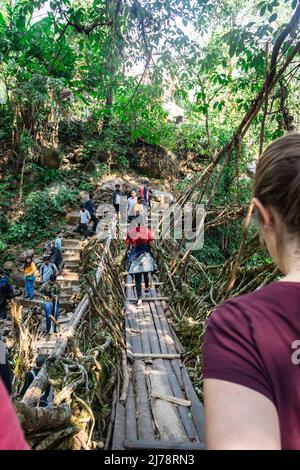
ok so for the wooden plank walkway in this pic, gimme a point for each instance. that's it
(162, 410)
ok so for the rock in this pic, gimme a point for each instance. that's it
(49, 158)
(72, 217)
(17, 278)
(22, 257)
(155, 161)
(77, 155)
(8, 265)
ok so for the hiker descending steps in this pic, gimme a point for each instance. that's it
(47, 270)
(51, 291)
(6, 294)
(30, 272)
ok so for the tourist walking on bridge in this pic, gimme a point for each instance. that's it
(141, 261)
(251, 351)
(30, 271)
(6, 294)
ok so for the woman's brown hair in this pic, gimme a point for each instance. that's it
(277, 179)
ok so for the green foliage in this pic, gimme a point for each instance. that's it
(42, 208)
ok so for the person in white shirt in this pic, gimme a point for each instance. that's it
(84, 220)
(130, 206)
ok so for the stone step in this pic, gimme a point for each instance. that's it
(71, 256)
(72, 217)
(67, 283)
(71, 243)
(62, 298)
(37, 302)
(72, 250)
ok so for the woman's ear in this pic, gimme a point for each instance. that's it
(265, 213)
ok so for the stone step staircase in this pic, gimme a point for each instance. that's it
(69, 284)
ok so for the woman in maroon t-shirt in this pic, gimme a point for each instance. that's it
(251, 350)
(11, 434)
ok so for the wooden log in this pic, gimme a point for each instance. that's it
(184, 413)
(142, 322)
(165, 328)
(152, 333)
(119, 428)
(171, 399)
(35, 419)
(169, 340)
(160, 333)
(131, 425)
(197, 407)
(128, 338)
(134, 330)
(143, 412)
(166, 416)
(124, 392)
(168, 445)
(143, 284)
(112, 419)
(146, 299)
(155, 356)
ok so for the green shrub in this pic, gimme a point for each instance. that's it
(42, 208)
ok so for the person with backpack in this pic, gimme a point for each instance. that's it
(5, 371)
(51, 291)
(140, 261)
(29, 269)
(56, 256)
(30, 376)
(47, 269)
(6, 294)
(90, 206)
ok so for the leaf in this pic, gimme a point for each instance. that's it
(82, 98)
(294, 4)
(273, 18)
(263, 10)
(232, 49)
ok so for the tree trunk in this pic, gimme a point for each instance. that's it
(35, 419)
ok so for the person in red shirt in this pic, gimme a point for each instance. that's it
(251, 349)
(140, 259)
(11, 434)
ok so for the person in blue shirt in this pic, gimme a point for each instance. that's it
(6, 293)
(90, 206)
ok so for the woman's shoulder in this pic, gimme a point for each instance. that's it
(247, 306)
